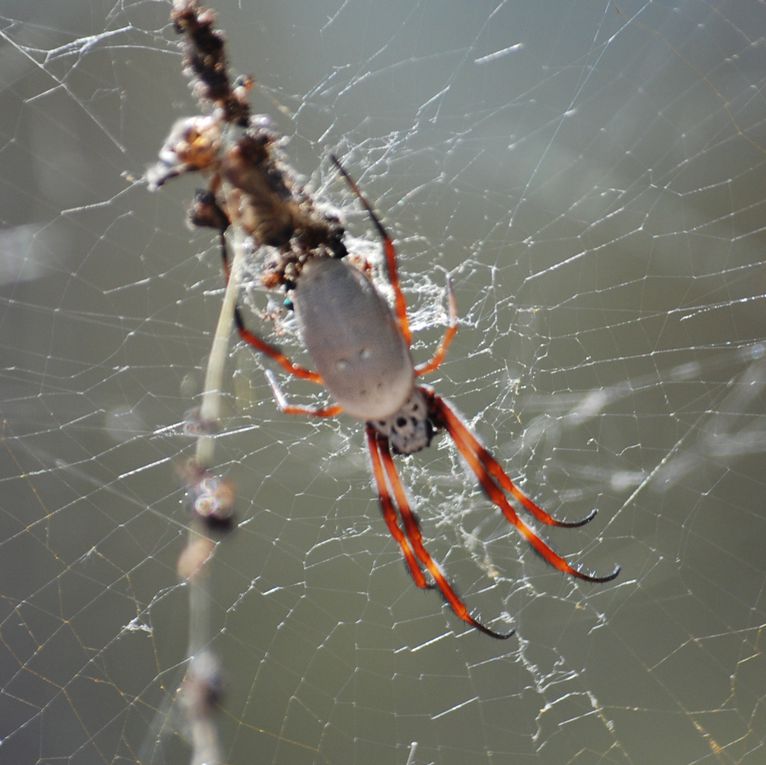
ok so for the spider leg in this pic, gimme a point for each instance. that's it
(400, 304)
(494, 468)
(449, 335)
(458, 432)
(415, 538)
(389, 513)
(284, 406)
(260, 345)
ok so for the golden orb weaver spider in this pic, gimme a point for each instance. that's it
(360, 346)
(361, 349)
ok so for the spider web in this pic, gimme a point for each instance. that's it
(591, 175)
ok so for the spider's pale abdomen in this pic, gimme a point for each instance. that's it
(353, 339)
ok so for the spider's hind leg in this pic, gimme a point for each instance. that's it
(400, 304)
(284, 406)
(449, 335)
(257, 342)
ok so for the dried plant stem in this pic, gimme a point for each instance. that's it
(202, 684)
(251, 193)
(210, 409)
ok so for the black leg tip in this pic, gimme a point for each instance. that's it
(576, 524)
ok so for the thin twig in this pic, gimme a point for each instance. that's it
(252, 193)
(210, 409)
(201, 687)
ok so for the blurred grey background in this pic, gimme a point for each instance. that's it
(592, 175)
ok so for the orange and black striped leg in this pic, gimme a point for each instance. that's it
(449, 335)
(388, 511)
(260, 345)
(415, 539)
(400, 304)
(496, 471)
(464, 442)
(309, 411)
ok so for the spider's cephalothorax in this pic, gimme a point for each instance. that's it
(410, 429)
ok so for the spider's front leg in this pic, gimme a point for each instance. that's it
(389, 511)
(411, 541)
(493, 480)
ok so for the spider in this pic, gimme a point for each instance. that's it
(359, 344)
(361, 349)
